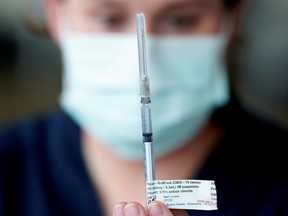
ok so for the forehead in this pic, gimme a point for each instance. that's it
(149, 5)
(201, 16)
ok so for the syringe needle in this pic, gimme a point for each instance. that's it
(141, 35)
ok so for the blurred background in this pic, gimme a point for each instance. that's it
(260, 70)
(30, 64)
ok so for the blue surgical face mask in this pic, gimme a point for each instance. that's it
(101, 88)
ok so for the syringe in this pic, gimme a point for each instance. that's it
(145, 101)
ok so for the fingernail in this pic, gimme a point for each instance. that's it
(132, 209)
(155, 210)
(119, 209)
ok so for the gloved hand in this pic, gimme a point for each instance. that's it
(155, 208)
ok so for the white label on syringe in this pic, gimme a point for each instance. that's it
(183, 194)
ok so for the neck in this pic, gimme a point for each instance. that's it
(117, 180)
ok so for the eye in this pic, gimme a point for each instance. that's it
(112, 21)
(182, 22)
(178, 23)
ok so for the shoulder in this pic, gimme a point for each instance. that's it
(240, 123)
(41, 167)
(249, 165)
(252, 143)
(32, 133)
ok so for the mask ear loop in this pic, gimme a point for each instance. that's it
(62, 23)
(225, 33)
(223, 36)
(63, 31)
(227, 29)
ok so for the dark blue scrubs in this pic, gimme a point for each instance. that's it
(42, 171)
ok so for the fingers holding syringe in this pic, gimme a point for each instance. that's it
(155, 208)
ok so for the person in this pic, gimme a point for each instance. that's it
(86, 158)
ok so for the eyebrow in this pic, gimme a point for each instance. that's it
(170, 6)
(116, 3)
(183, 4)
(105, 4)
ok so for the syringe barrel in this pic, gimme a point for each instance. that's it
(146, 121)
(149, 162)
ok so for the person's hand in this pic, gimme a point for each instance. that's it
(155, 208)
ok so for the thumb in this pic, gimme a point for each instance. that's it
(157, 208)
